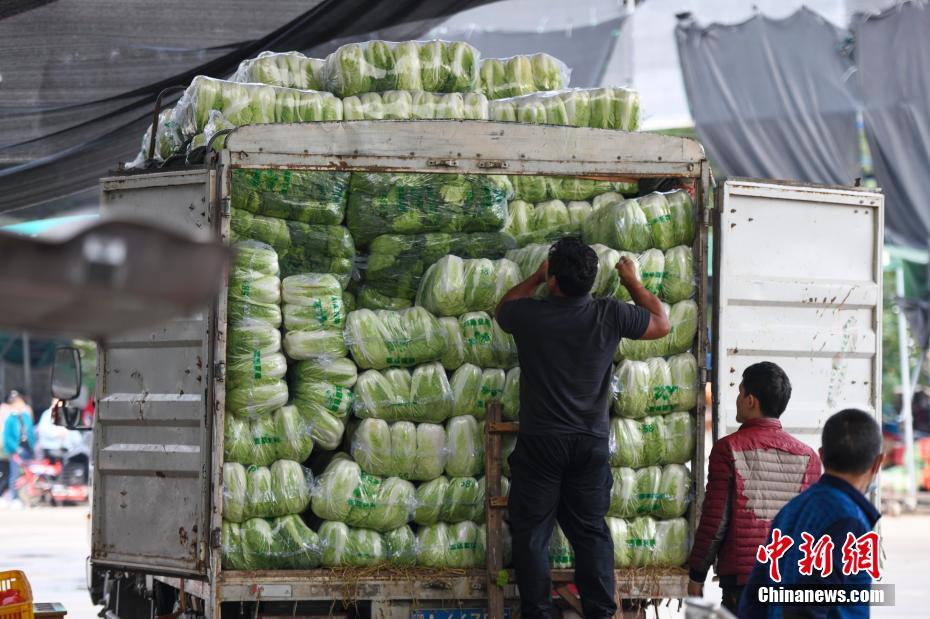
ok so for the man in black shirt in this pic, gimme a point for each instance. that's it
(560, 469)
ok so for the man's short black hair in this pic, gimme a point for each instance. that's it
(851, 441)
(574, 266)
(770, 385)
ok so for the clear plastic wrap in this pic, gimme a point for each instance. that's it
(397, 395)
(286, 69)
(486, 344)
(561, 554)
(302, 248)
(249, 104)
(278, 543)
(681, 210)
(345, 494)
(307, 196)
(529, 258)
(345, 546)
(396, 263)
(256, 398)
(645, 542)
(598, 108)
(464, 447)
(302, 345)
(265, 492)
(369, 298)
(453, 286)
(285, 434)
(662, 492)
(620, 225)
(473, 389)
(326, 429)
(417, 105)
(636, 443)
(401, 449)
(683, 317)
(254, 290)
(679, 282)
(378, 66)
(334, 399)
(540, 223)
(510, 398)
(382, 338)
(168, 140)
(386, 203)
(523, 74)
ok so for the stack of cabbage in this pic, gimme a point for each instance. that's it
(378, 80)
(264, 485)
(298, 213)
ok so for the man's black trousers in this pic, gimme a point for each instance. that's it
(565, 478)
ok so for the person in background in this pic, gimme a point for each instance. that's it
(4, 457)
(560, 469)
(751, 474)
(54, 441)
(19, 439)
(836, 506)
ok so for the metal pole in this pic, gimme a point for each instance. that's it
(27, 368)
(907, 393)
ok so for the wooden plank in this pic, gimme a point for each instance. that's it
(494, 517)
(503, 427)
(499, 502)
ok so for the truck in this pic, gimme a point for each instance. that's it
(786, 271)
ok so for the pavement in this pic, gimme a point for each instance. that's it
(50, 544)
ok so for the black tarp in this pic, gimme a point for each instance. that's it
(772, 98)
(893, 59)
(73, 137)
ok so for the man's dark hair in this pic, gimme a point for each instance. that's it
(574, 266)
(851, 441)
(770, 385)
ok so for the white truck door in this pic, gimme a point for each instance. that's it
(152, 429)
(797, 280)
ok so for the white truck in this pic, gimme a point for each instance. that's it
(796, 279)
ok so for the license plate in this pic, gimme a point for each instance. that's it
(454, 613)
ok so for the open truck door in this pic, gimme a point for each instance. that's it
(797, 274)
(153, 432)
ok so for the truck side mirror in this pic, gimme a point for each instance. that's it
(66, 373)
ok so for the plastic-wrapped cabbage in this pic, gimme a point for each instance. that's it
(293, 433)
(647, 489)
(653, 431)
(369, 298)
(561, 554)
(626, 443)
(578, 107)
(442, 290)
(671, 542)
(235, 502)
(619, 533)
(311, 197)
(641, 539)
(431, 397)
(413, 203)
(600, 108)
(253, 296)
(391, 507)
(424, 396)
(607, 280)
(237, 440)
(652, 270)
(430, 499)
(619, 225)
(246, 337)
(683, 371)
(433, 545)
(396, 263)
(332, 398)
(502, 111)
(684, 319)
(325, 428)
(682, 212)
(231, 540)
(578, 213)
(454, 356)
(265, 441)
(377, 398)
(383, 338)
(679, 281)
(464, 447)
(531, 189)
(551, 215)
(256, 399)
(400, 547)
(463, 542)
(655, 207)
(260, 499)
(254, 368)
(395, 449)
(486, 344)
(510, 398)
(673, 492)
(291, 486)
(340, 371)
(631, 389)
(429, 461)
(576, 188)
(337, 489)
(302, 345)
(300, 545)
(344, 546)
(305, 289)
(662, 391)
(677, 437)
(531, 110)
(398, 105)
(623, 499)
(334, 536)
(466, 385)
(645, 349)
(288, 69)
(463, 500)
(255, 257)
(348, 301)
(257, 539)
(519, 75)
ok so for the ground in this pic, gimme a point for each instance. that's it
(51, 544)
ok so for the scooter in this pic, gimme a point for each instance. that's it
(71, 485)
